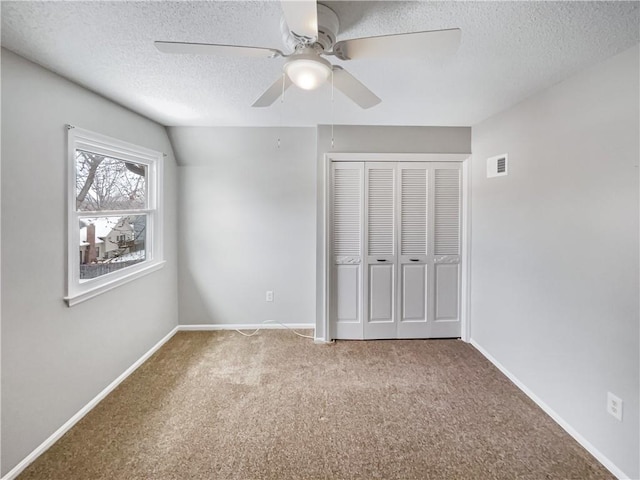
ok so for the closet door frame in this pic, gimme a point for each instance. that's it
(323, 327)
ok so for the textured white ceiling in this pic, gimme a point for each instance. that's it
(509, 50)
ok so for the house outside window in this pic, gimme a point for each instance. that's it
(114, 231)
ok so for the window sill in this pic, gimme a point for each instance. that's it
(85, 294)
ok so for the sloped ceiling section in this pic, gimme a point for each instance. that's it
(509, 50)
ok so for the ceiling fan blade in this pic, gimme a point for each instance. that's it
(215, 49)
(353, 88)
(411, 45)
(273, 92)
(301, 17)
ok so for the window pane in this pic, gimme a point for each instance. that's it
(106, 183)
(109, 244)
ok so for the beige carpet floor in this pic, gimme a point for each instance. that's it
(217, 405)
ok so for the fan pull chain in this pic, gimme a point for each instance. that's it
(332, 110)
(281, 109)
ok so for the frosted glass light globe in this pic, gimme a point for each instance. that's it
(307, 71)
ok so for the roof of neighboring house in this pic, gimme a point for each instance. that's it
(104, 226)
(85, 244)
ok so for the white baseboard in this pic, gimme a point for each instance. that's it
(608, 464)
(246, 326)
(15, 471)
(40, 449)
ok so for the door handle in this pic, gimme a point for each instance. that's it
(382, 260)
(414, 259)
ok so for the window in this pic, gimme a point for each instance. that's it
(114, 231)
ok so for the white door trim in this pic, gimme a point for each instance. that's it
(396, 157)
(322, 320)
(465, 285)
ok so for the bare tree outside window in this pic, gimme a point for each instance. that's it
(112, 242)
(105, 183)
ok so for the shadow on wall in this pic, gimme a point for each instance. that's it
(194, 308)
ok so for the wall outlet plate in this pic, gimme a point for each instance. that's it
(614, 406)
(269, 295)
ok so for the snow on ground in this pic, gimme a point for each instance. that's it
(128, 257)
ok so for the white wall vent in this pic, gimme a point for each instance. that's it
(497, 166)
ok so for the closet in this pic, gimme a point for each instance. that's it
(394, 250)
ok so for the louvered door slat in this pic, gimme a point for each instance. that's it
(413, 208)
(447, 212)
(347, 216)
(380, 211)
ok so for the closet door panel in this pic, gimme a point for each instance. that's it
(446, 292)
(347, 216)
(380, 214)
(413, 209)
(381, 255)
(413, 186)
(447, 201)
(381, 288)
(414, 293)
(447, 211)
(348, 293)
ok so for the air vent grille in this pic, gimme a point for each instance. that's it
(497, 166)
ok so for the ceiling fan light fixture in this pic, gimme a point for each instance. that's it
(307, 70)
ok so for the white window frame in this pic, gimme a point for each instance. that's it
(81, 290)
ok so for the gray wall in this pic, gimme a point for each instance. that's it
(555, 250)
(247, 224)
(54, 358)
(373, 139)
(248, 213)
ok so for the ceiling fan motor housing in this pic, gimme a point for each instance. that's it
(328, 27)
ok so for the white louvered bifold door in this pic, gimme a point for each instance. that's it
(395, 231)
(346, 199)
(447, 213)
(380, 255)
(413, 281)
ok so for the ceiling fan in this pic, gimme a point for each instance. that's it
(310, 29)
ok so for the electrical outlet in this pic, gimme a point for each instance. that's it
(614, 406)
(269, 295)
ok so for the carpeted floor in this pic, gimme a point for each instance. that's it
(217, 405)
